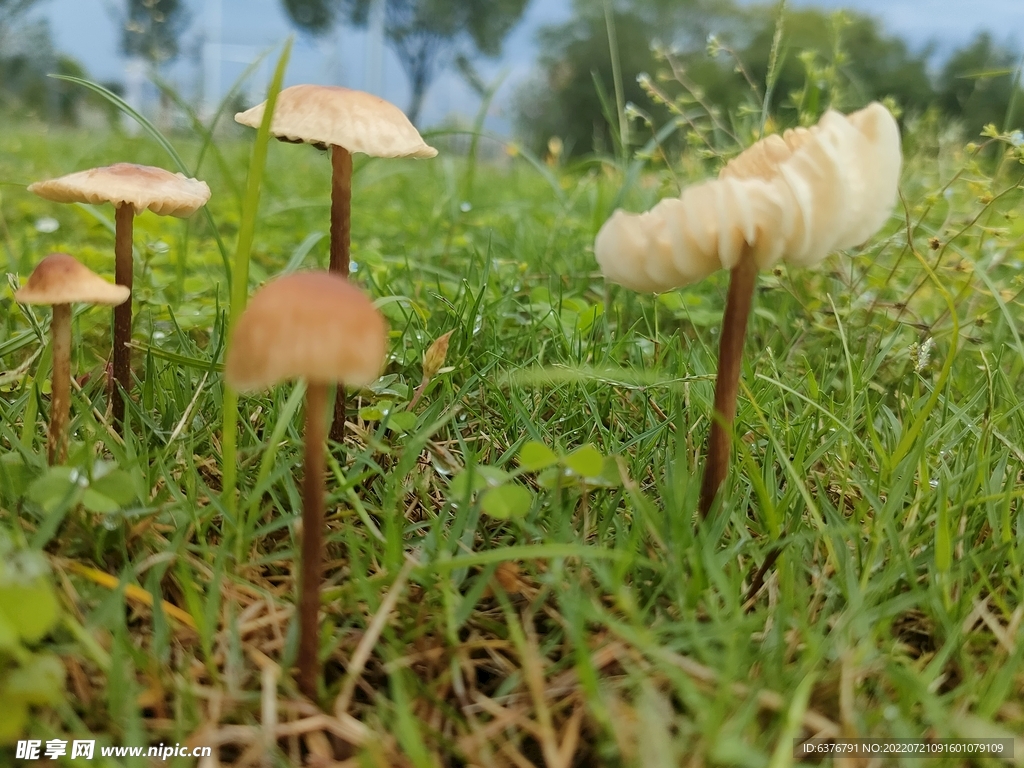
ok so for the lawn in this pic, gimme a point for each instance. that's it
(517, 574)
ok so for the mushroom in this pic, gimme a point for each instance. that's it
(319, 327)
(59, 280)
(132, 189)
(796, 197)
(346, 121)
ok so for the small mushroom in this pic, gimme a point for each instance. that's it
(318, 327)
(346, 121)
(60, 280)
(132, 189)
(798, 197)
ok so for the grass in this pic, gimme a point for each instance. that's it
(877, 478)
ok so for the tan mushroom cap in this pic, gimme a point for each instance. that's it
(798, 197)
(63, 279)
(309, 325)
(142, 186)
(332, 115)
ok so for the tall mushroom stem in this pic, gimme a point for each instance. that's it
(60, 384)
(341, 209)
(121, 384)
(730, 363)
(312, 538)
(341, 236)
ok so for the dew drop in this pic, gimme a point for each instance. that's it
(46, 225)
(466, 206)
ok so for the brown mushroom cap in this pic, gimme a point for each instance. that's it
(143, 186)
(310, 325)
(63, 279)
(332, 115)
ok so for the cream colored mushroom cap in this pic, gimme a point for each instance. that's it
(331, 115)
(63, 279)
(309, 325)
(141, 186)
(798, 197)
(684, 240)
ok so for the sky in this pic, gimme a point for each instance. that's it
(88, 30)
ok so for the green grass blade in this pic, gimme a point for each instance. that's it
(240, 284)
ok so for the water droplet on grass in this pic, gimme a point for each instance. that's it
(47, 224)
(466, 206)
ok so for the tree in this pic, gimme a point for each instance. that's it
(565, 101)
(978, 85)
(152, 29)
(27, 55)
(426, 35)
(825, 60)
(863, 61)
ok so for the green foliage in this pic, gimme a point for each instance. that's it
(29, 677)
(847, 54)
(574, 57)
(981, 84)
(27, 55)
(695, 61)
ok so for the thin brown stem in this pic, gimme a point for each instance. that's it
(312, 538)
(122, 382)
(341, 209)
(418, 393)
(730, 363)
(60, 384)
(757, 581)
(341, 236)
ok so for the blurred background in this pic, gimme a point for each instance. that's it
(543, 68)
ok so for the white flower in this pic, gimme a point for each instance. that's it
(46, 225)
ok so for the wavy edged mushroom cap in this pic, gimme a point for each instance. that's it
(63, 279)
(310, 325)
(331, 115)
(798, 197)
(142, 186)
